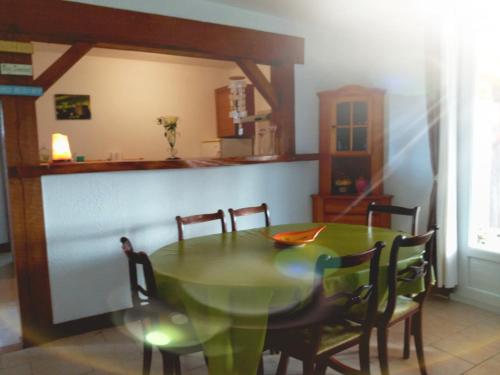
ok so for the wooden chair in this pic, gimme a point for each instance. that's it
(147, 308)
(249, 211)
(394, 210)
(195, 219)
(409, 309)
(314, 334)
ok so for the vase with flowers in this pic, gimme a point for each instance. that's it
(169, 124)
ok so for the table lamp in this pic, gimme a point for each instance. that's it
(60, 148)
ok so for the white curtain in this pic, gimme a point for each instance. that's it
(446, 213)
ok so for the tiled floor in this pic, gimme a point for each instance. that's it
(9, 314)
(460, 339)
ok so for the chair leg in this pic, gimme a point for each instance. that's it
(406, 349)
(283, 364)
(364, 355)
(320, 368)
(307, 366)
(419, 343)
(177, 364)
(260, 370)
(382, 333)
(341, 368)
(168, 363)
(147, 358)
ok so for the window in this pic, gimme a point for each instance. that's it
(485, 181)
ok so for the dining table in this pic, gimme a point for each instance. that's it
(225, 283)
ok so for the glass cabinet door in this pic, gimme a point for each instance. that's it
(350, 126)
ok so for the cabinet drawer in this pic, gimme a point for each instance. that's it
(340, 209)
(336, 206)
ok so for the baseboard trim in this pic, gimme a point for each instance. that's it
(88, 324)
(445, 292)
(11, 348)
(459, 297)
(5, 248)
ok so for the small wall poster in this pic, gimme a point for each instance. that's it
(72, 107)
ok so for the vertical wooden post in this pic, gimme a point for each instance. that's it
(26, 213)
(377, 155)
(325, 154)
(283, 82)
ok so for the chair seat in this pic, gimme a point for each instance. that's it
(404, 306)
(333, 336)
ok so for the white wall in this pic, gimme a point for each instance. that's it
(86, 214)
(128, 92)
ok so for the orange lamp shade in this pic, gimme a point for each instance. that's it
(60, 148)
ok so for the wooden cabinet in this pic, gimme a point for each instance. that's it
(349, 209)
(225, 125)
(351, 155)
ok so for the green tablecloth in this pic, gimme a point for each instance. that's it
(235, 279)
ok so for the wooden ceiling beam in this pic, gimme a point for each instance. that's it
(52, 74)
(66, 22)
(260, 81)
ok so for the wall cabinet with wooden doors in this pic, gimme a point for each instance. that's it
(225, 125)
(351, 155)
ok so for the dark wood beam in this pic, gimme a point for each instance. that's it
(283, 82)
(56, 21)
(52, 74)
(26, 219)
(260, 81)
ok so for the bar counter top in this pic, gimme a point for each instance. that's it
(116, 166)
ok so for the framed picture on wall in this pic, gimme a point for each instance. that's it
(72, 107)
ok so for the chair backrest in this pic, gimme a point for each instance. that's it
(195, 219)
(394, 210)
(366, 293)
(418, 270)
(140, 295)
(325, 309)
(328, 309)
(249, 211)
